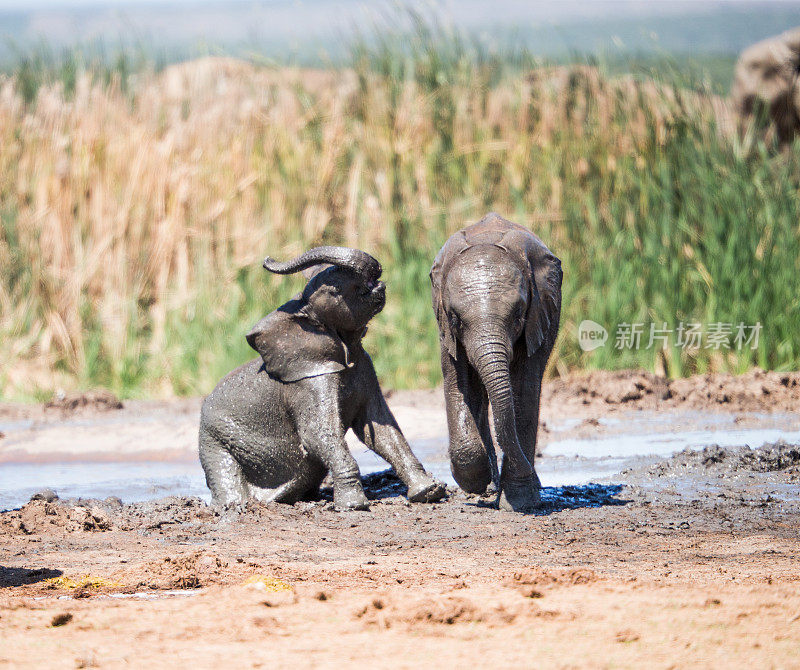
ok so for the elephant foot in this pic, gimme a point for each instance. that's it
(520, 496)
(351, 498)
(426, 490)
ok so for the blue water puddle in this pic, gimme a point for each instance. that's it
(665, 444)
(8, 426)
(132, 482)
(568, 462)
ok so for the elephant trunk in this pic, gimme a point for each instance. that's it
(355, 259)
(490, 358)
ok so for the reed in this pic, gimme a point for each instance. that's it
(136, 207)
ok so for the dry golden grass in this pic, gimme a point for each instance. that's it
(130, 215)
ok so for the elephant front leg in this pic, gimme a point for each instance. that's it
(319, 425)
(376, 427)
(471, 450)
(348, 493)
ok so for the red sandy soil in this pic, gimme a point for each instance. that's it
(401, 586)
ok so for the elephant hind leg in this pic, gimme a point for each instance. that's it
(224, 476)
(307, 478)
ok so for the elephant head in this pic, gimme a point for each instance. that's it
(496, 291)
(495, 283)
(316, 332)
(767, 80)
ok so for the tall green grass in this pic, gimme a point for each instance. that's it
(134, 217)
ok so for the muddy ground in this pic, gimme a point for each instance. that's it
(689, 561)
(97, 427)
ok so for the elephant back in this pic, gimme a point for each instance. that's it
(519, 242)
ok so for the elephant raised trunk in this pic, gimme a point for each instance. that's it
(354, 259)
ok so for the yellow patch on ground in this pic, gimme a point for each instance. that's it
(270, 583)
(86, 582)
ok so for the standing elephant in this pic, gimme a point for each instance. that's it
(767, 77)
(497, 296)
(274, 427)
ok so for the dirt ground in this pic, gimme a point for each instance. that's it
(686, 562)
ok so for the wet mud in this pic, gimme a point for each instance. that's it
(716, 460)
(659, 565)
(681, 561)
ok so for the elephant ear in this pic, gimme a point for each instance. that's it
(544, 305)
(293, 347)
(445, 331)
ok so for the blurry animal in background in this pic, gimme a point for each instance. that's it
(274, 427)
(766, 84)
(497, 296)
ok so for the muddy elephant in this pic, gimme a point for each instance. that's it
(496, 291)
(273, 428)
(767, 81)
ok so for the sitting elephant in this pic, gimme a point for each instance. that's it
(767, 77)
(497, 296)
(275, 426)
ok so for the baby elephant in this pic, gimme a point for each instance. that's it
(274, 427)
(497, 296)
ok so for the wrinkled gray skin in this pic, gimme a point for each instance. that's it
(274, 427)
(496, 292)
(767, 76)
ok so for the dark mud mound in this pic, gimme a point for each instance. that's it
(52, 515)
(755, 391)
(720, 488)
(714, 459)
(42, 517)
(622, 388)
(188, 571)
(92, 401)
(156, 514)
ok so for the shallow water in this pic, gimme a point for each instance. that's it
(566, 462)
(132, 482)
(665, 444)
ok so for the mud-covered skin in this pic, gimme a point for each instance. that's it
(767, 77)
(274, 427)
(496, 291)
